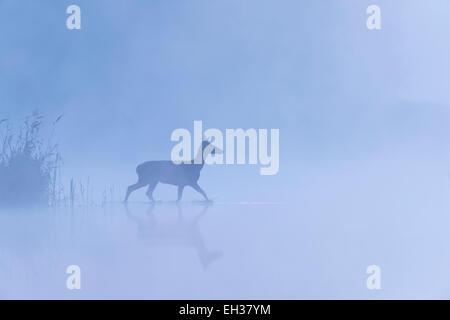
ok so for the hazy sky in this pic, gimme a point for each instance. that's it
(137, 70)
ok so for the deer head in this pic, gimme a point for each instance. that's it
(209, 148)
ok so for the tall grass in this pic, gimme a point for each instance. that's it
(30, 169)
(28, 163)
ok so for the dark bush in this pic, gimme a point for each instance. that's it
(27, 163)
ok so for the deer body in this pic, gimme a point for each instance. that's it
(151, 173)
(168, 172)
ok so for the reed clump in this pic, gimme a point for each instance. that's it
(28, 163)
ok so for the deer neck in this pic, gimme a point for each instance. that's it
(202, 163)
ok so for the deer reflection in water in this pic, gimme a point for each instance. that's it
(179, 232)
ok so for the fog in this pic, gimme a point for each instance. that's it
(364, 158)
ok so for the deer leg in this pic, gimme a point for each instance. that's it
(199, 190)
(180, 192)
(150, 189)
(132, 188)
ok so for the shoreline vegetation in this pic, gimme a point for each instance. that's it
(30, 168)
(28, 163)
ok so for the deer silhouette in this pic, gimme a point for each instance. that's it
(151, 173)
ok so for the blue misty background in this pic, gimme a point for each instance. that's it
(363, 118)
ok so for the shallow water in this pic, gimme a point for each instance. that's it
(229, 250)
